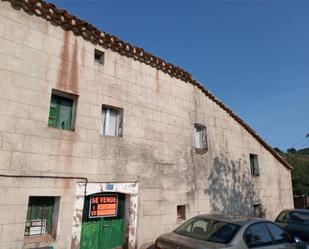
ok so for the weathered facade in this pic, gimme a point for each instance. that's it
(176, 152)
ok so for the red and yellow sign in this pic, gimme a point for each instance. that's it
(103, 205)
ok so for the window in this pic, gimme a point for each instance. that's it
(283, 217)
(111, 121)
(293, 217)
(279, 236)
(200, 138)
(254, 165)
(62, 110)
(41, 216)
(208, 229)
(99, 56)
(257, 235)
(181, 212)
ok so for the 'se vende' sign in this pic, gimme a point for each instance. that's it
(103, 205)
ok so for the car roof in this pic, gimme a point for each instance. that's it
(306, 211)
(239, 220)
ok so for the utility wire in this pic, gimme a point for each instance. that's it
(301, 140)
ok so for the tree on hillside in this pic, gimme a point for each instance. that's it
(291, 150)
(300, 174)
(278, 150)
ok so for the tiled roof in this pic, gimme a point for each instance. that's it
(90, 33)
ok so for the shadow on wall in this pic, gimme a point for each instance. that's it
(231, 189)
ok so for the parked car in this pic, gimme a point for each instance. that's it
(213, 231)
(296, 222)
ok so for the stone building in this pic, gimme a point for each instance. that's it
(105, 145)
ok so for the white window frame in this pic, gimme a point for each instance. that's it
(200, 137)
(105, 121)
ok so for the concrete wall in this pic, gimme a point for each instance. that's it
(157, 147)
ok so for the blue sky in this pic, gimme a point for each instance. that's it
(253, 55)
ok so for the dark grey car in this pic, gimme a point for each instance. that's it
(213, 231)
(296, 222)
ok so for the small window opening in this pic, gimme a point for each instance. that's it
(62, 110)
(99, 56)
(254, 165)
(42, 216)
(181, 212)
(200, 137)
(112, 121)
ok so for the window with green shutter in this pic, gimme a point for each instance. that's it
(39, 220)
(61, 112)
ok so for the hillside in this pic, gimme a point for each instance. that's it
(299, 159)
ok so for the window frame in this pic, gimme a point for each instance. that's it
(69, 96)
(54, 216)
(200, 131)
(276, 242)
(182, 229)
(254, 164)
(258, 210)
(181, 212)
(119, 123)
(254, 224)
(290, 213)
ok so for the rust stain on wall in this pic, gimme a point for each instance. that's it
(46, 27)
(83, 56)
(67, 183)
(67, 79)
(157, 81)
(70, 154)
(115, 67)
(48, 61)
(63, 66)
(73, 76)
(74, 243)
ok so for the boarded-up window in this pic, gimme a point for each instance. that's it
(61, 111)
(111, 121)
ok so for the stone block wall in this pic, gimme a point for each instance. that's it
(157, 147)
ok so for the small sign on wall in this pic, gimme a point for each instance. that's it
(103, 205)
(35, 227)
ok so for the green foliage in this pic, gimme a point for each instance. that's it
(300, 175)
(278, 150)
(291, 150)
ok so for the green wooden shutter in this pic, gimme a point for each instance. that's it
(52, 121)
(40, 208)
(60, 113)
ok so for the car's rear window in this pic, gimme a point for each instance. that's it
(208, 230)
(293, 217)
